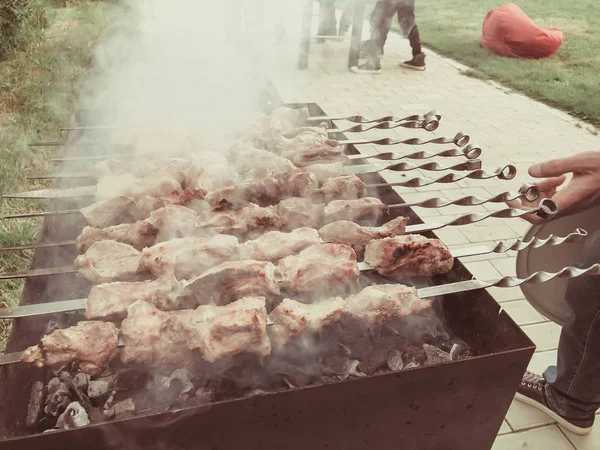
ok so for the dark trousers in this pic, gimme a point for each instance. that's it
(573, 386)
(381, 23)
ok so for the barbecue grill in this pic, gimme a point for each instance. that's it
(455, 405)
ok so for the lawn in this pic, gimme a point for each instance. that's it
(39, 86)
(567, 80)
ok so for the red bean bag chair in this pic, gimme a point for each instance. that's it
(508, 31)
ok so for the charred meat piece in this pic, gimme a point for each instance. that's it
(320, 271)
(165, 223)
(139, 235)
(411, 255)
(224, 331)
(376, 304)
(107, 261)
(348, 187)
(265, 186)
(364, 211)
(233, 280)
(299, 212)
(260, 220)
(275, 245)
(189, 257)
(190, 198)
(324, 172)
(357, 236)
(91, 344)
(291, 319)
(112, 211)
(154, 338)
(111, 300)
(373, 305)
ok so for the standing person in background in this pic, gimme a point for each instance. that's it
(381, 22)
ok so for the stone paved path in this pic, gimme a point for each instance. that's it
(509, 127)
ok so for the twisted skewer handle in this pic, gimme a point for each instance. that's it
(429, 125)
(459, 140)
(528, 192)
(431, 115)
(503, 173)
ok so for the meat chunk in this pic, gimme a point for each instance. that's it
(139, 235)
(112, 211)
(357, 237)
(259, 220)
(276, 245)
(365, 211)
(309, 148)
(233, 280)
(224, 331)
(299, 212)
(411, 255)
(265, 186)
(107, 261)
(292, 319)
(173, 221)
(252, 159)
(190, 198)
(110, 300)
(189, 257)
(323, 172)
(154, 338)
(91, 344)
(348, 187)
(217, 176)
(158, 184)
(320, 271)
(376, 304)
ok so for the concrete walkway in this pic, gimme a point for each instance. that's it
(510, 128)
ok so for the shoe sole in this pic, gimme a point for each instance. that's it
(407, 66)
(365, 72)
(567, 425)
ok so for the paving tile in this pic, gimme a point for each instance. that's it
(522, 312)
(506, 266)
(544, 335)
(506, 294)
(450, 236)
(524, 417)
(483, 270)
(541, 360)
(589, 442)
(488, 232)
(546, 438)
(505, 428)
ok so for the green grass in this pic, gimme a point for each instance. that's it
(39, 86)
(567, 80)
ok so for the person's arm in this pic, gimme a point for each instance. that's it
(580, 193)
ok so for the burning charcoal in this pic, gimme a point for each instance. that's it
(335, 364)
(412, 365)
(183, 375)
(59, 396)
(205, 395)
(131, 379)
(458, 352)
(394, 361)
(79, 394)
(361, 348)
(36, 404)
(390, 342)
(82, 380)
(435, 355)
(297, 379)
(352, 370)
(255, 392)
(52, 325)
(74, 416)
(375, 361)
(120, 410)
(98, 388)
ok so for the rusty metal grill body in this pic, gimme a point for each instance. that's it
(454, 406)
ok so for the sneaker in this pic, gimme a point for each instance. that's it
(417, 63)
(366, 49)
(370, 67)
(532, 391)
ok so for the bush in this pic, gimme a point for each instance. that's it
(19, 21)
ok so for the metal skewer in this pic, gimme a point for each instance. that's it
(429, 125)
(459, 140)
(434, 291)
(79, 304)
(470, 152)
(361, 119)
(471, 164)
(546, 209)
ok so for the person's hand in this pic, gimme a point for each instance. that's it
(580, 193)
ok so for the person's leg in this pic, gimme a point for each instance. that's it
(571, 389)
(406, 19)
(327, 20)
